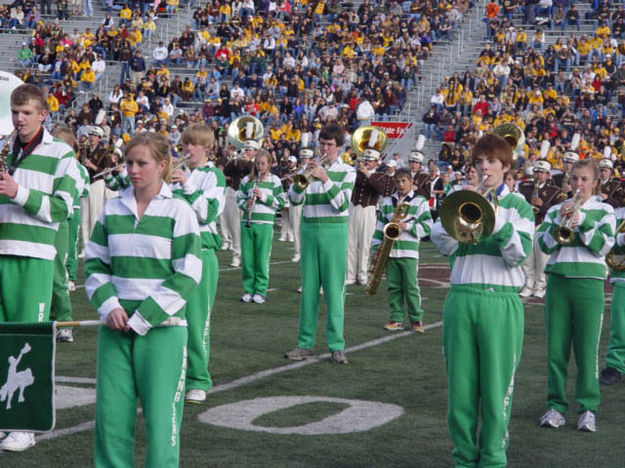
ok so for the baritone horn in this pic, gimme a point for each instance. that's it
(469, 216)
(615, 258)
(245, 129)
(513, 135)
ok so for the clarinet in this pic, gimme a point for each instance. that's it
(248, 221)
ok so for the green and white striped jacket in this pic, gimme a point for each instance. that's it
(327, 202)
(494, 263)
(264, 208)
(45, 196)
(82, 186)
(147, 266)
(584, 257)
(418, 224)
(619, 276)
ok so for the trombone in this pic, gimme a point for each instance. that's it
(564, 234)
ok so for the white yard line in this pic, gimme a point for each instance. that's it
(239, 382)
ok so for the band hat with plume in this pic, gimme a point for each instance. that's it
(570, 156)
(96, 131)
(606, 163)
(305, 151)
(542, 166)
(371, 152)
(251, 144)
(416, 156)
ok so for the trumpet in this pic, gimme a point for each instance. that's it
(564, 234)
(391, 232)
(468, 216)
(615, 258)
(302, 180)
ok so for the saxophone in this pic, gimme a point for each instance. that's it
(4, 155)
(391, 232)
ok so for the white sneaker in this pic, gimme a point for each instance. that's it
(225, 246)
(235, 263)
(258, 299)
(195, 395)
(349, 282)
(65, 335)
(71, 286)
(540, 294)
(586, 422)
(525, 292)
(81, 254)
(553, 418)
(299, 289)
(282, 239)
(295, 258)
(247, 298)
(2, 435)
(18, 441)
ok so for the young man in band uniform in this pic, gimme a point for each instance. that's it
(324, 245)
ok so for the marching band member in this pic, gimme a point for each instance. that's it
(610, 190)
(541, 194)
(286, 176)
(61, 307)
(403, 263)
(563, 180)
(37, 189)
(421, 181)
(260, 195)
(235, 170)
(574, 301)
(203, 187)
(324, 245)
(142, 263)
(615, 357)
(368, 187)
(483, 315)
(295, 211)
(96, 158)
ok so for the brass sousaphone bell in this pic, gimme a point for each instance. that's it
(369, 142)
(244, 129)
(469, 216)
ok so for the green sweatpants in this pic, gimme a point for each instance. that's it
(198, 311)
(152, 369)
(573, 314)
(324, 253)
(482, 343)
(72, 250)
(255, 254)
(615, 357)
(403, 286)
(61, 307)
(25, 289)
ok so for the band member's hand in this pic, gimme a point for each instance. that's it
(89, 165)
(537, 202)
(470, 187)
(575, 221)
(567, 209)
(117, 319)
(8, 186)
(604, 196)
(249, 203)
(258, 193)
(403, 226)
(364, 171)
(178, 177)
(320, 173)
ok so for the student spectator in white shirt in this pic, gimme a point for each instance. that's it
(159, 54)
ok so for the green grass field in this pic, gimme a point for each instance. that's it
(406, 370)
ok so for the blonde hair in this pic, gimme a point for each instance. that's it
(198, 134)
(158, 147)
(63, 132)
(261, 153)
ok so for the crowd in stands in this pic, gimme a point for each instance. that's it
(574, 86)
(295, 65)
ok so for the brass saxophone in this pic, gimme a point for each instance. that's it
(534, 197)
(391, 232)
(565, 181)
(615, 258)
(4, 155)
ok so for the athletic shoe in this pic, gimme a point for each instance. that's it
(338, 357)
(258, 299)
(18, 441)
(539, 294)
(247, 298)
(295, 258)
(299, 289)
(195, 395)
(71, 286)
(349, 282)
(552, 418)
(225, 246)
(300, 354)
(290, 239)
(65, 335)
(394, 326)
(417, 327)
(282, 239)
(2, 435)
(235, 263)
(610, 376)
(525, 292)
(586, 422)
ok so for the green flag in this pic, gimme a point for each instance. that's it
(27, 376)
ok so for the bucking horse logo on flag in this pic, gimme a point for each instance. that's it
(16, 380)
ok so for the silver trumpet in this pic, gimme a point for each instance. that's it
(564, 234)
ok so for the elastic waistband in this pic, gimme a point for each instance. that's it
(487, 290)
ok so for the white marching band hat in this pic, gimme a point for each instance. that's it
(542, 166)
(570, 156)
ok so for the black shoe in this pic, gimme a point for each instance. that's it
(610, 376)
